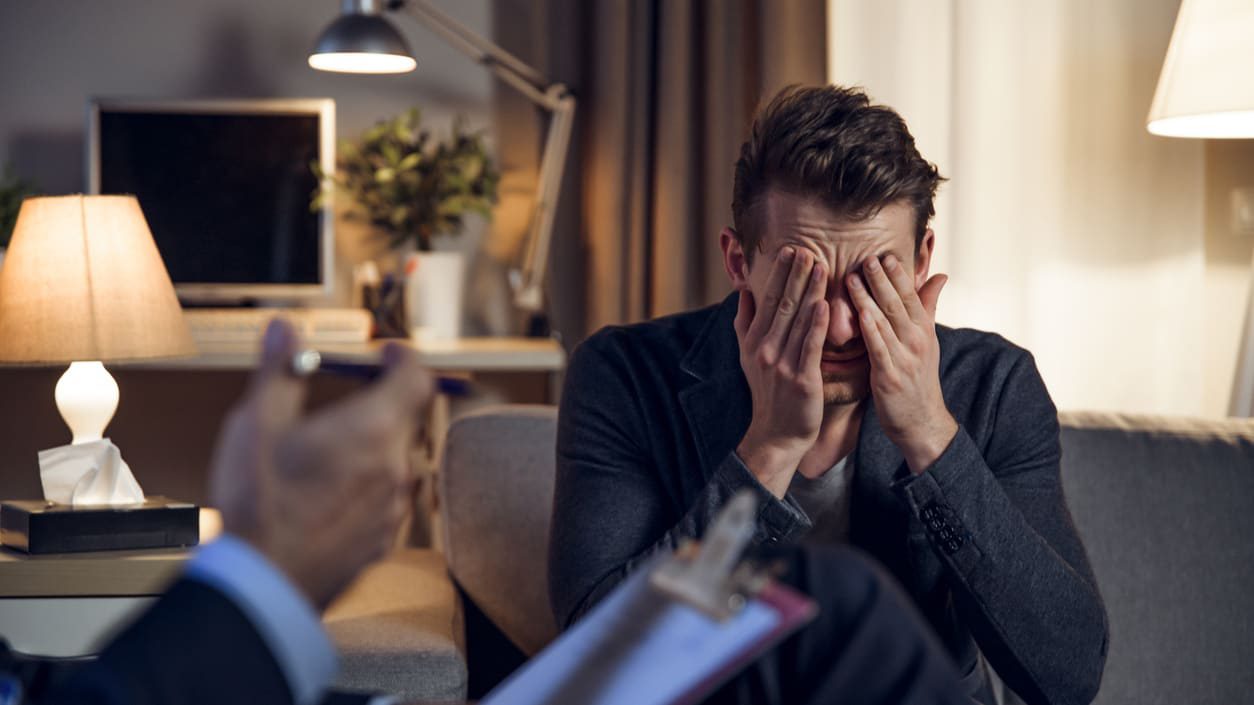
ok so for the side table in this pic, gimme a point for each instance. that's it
(65, 605)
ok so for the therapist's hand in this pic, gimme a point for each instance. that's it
(320, 495)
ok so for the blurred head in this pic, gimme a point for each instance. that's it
(826, 170)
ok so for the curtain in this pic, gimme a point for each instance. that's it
(1065, 226)
(671, 90)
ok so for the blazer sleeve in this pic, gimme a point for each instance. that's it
(611, 513)
(194, 646)
(998, 521)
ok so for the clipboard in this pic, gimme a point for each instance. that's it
(672, 633)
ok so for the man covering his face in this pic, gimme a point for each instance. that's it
(824, 384)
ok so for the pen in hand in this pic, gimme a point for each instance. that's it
(308, 362)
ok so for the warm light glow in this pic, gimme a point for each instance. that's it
(1238, 124)
(362, 62)
(1204, 89)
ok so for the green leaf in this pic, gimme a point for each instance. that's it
(409, 162)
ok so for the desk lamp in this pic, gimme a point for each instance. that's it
(361, 40)
(1206, 90)
(82, 283)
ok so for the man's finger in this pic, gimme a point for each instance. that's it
(411, 386)
(869, 310)
(929, 294)
(744, 314)
(773, 292)
(904, 284)
(876, 346)
(812, 352)
(786, 309)
(276, 392)
(815, 289)
(886, 295)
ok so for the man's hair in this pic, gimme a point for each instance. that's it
(834, 145)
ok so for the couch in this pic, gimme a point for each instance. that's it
(1165, 507)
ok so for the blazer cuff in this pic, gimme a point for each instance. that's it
(935, 497)
(283, 617)
(779, 520)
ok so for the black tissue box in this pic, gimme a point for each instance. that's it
(39, 526)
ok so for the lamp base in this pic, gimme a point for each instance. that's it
(40, 526)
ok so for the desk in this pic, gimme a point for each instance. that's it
(170, 410)
(459, 355)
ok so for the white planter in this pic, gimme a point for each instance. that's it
(433, 294)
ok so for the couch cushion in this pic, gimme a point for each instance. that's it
(496, 496)
(1164, 506)
(399, 630)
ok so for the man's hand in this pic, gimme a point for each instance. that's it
(322, 495)
(899, 331)
(781, 343)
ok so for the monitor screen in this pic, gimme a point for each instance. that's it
(226, 188)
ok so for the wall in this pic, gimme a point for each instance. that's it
(1065, 226)
(58, 54)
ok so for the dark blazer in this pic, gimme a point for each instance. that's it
(194, 646)
(983, 542)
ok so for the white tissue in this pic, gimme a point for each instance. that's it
(85, 474)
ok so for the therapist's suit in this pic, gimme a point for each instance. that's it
(231, 630)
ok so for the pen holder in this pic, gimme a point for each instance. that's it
(386, 304)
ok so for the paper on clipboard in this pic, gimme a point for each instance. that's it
(640, 647)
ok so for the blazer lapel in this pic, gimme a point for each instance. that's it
(717, 404)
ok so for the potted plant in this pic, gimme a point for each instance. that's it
(12, 192)
(409, 187)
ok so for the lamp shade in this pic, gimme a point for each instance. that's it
(1206, 88)
(361, 43)
(82, 280)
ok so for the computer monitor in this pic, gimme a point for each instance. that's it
(226, 187)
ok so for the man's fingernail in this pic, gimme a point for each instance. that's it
(890, 262)
(788, 253)
(872, 264)
(855, 282)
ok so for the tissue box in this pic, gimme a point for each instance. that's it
(38, 526)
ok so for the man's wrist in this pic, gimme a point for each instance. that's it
(925, 447)
(772, 465)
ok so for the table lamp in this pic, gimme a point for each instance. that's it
(1206, 90)
(82, 284)
(361, 40)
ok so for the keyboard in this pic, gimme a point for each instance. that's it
(316, 326)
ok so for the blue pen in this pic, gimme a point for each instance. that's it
(307, 362)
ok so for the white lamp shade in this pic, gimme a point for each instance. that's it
(1206, 88)
(83, 280)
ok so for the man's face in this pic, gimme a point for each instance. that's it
(841, 245)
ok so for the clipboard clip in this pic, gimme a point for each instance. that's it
(715, 581)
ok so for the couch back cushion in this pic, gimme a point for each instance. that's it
(1165, 507)
(496, 496)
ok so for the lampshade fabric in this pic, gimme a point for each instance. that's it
(1206, 88)
(82, 280)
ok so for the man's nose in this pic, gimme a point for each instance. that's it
(842, 321)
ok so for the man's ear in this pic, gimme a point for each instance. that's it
(734, 260)
(923, 258)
